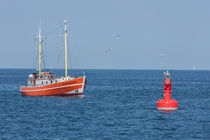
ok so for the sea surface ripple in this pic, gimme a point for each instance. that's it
(117, 104)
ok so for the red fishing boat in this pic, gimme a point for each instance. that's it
(47, 84)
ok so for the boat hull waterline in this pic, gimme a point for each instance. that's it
(73, 87)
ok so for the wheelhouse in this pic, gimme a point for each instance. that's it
(45, 78)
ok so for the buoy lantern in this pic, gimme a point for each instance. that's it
(167, 104)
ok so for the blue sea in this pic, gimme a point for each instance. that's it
(117, 104)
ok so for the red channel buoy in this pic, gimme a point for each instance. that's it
(167, 104)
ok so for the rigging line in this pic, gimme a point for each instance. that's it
(45, 53)
(36, 54)
(43, 58)
(70, 64)
(68, 49)
(60, 50)
(59, 57)
(33, 57)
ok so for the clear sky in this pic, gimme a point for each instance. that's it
(180, 29)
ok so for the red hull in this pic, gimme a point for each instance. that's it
(170, 105)
(66, 88)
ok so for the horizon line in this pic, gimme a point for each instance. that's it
(105, 69)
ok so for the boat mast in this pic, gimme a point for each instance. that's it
(65, 34)
(40, 50)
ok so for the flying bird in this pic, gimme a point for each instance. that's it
(118, 36)
(108, 50)
(162, 54)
